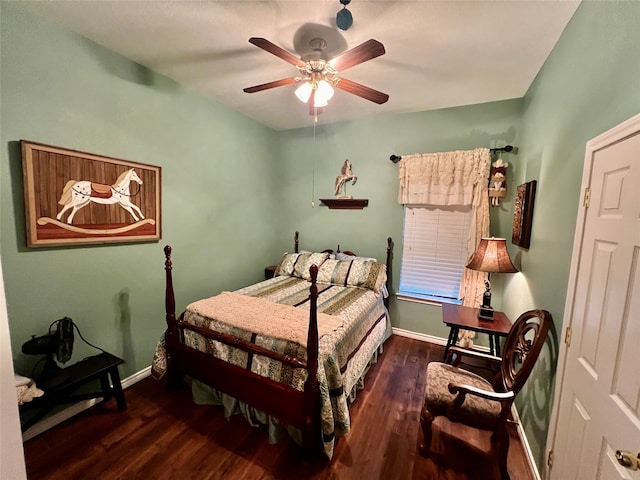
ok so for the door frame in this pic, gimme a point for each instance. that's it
(615, 134)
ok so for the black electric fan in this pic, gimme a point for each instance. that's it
(58, 343)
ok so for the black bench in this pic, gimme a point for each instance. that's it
(64, 385)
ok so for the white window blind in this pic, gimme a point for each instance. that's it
(434, 252)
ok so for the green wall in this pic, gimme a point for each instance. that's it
(234, 191)
(219, 170)
(589, 84)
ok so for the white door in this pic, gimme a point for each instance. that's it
(599, 400)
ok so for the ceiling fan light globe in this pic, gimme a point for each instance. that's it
(319, 102)
(303, 92)
(324, 92)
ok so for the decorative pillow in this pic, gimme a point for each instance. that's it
(334, 272)
(367, 274)
(287, 262)
(304, 262)
(354, 273)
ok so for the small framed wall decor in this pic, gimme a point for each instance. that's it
(523, 214)
(76, 198)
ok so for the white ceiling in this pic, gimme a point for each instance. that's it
(438, 53)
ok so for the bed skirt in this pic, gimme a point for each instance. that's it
(206, 395)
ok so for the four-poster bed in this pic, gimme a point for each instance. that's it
(292, 347)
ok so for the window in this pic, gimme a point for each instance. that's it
(434, 253)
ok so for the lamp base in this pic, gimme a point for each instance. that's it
(486, 313)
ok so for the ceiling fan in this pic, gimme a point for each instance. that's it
(319, 74)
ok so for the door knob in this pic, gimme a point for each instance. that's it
(627, 459)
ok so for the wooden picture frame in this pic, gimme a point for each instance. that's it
(523, 214)
(78, 198)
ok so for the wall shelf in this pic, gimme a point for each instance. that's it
(345, 203)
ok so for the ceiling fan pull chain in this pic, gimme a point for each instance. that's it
(313, 172)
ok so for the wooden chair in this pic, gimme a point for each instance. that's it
(464, 397)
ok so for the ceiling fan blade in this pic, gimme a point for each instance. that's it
(362, 53)
(266, 86)
(362, 91)
(274, 49)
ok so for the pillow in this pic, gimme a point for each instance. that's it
(367, 274)
(287, 262)
(304, 262)
(354, 273)
(344, 256)
(334, 272)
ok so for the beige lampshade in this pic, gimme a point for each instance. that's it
(492, 256)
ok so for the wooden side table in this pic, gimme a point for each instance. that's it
(269, 271)
(458, 317)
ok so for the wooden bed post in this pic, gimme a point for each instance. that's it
(171, 335)
(389, 255)
(312, 425)
(296, 242)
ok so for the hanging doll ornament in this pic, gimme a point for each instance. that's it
(498, 182)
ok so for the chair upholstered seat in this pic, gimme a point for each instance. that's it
(476, 412)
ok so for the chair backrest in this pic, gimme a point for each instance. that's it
(522, 347)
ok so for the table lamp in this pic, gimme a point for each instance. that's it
(491, 256)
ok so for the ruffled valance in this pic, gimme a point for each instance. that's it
(446, 178)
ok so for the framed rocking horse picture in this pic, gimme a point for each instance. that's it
(77, 198)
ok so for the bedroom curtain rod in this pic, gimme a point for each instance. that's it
(506, 148)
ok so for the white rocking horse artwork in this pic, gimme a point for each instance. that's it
(77, 194)
(80, 198)
(345, 175)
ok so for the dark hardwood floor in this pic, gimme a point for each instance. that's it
(164, 435)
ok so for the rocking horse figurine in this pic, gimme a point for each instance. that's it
(345, 175)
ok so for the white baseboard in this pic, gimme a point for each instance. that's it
(76, 408)
(136, 377)
(533, 467)
(423, 337)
